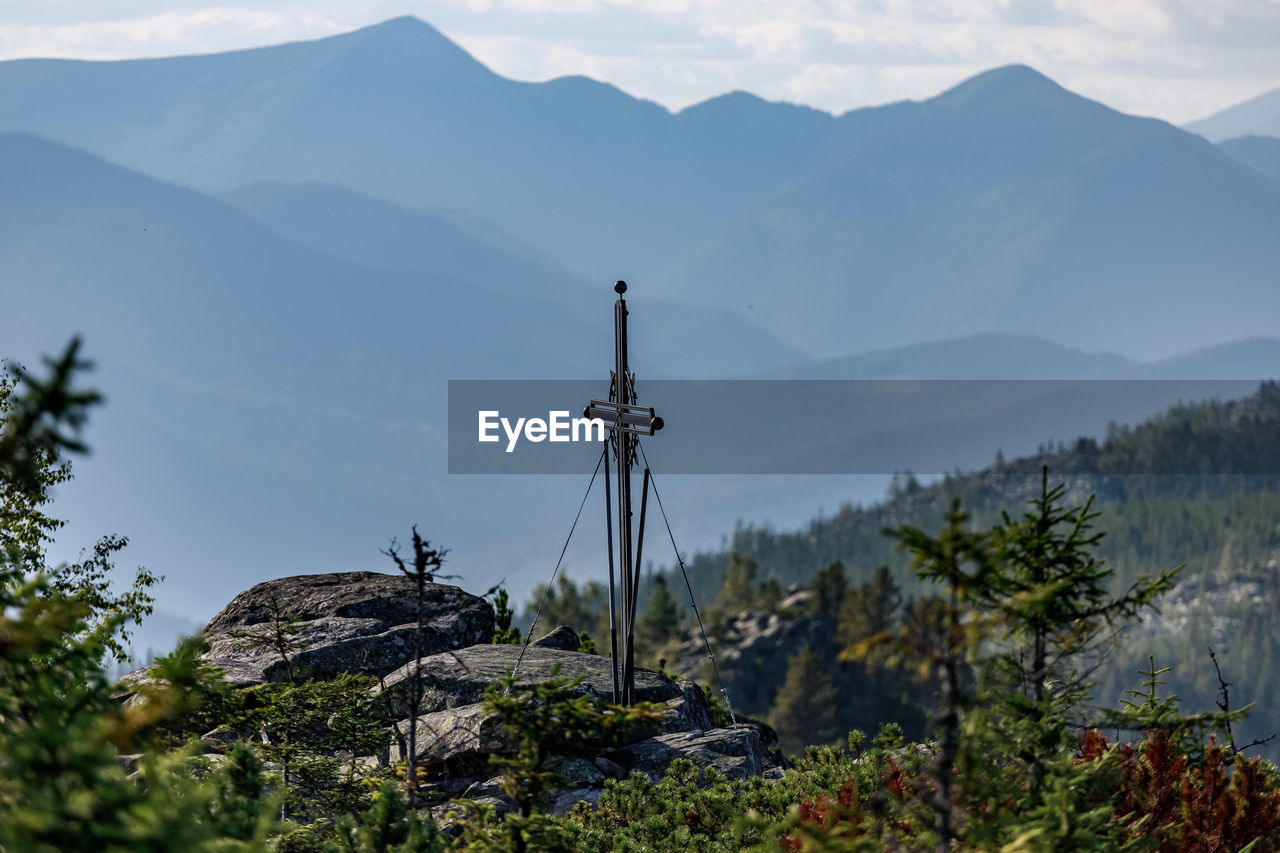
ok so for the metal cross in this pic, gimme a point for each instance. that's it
(625, 420)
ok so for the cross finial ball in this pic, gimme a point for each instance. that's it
(619, 287)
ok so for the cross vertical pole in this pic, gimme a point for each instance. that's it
(625, 420)
(622, 387)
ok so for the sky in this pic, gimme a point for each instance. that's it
(1173, 59)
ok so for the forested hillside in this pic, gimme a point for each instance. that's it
(1222, 525)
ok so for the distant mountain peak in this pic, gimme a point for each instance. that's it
(405, 26)
(1005, 81)
(404, 22)
(1016, 71)
(409, 26)
(1021, 90)
(737, 96)
(414, 36)
(732, 112)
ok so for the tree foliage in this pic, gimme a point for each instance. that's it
(659, 624)
(504, 632)
(552, 718)
(584, 608)
(40, 421)
(61, 785)
(804, 712)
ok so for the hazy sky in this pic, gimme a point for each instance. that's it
(1176, 59)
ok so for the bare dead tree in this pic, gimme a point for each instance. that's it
(425, 568)
(1224, 705)
(279, 634)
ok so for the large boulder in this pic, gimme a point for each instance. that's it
(455, 678)
(737, 753)
(455, 742)
(345, 622)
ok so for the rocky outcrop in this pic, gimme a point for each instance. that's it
(365, 622)
(456, 735)
(454, 747)
(1218, 601)
(344, 622)
(754, 652)
(736, 753)
(460, 677)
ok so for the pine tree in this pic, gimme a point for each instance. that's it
(829, 588)
(738, 589)
(584, 608)
(1053, 594)
(893, 691)
(661, 618)
(504, 634)
(388, 826)
(960, 562)
(804, 710)
(870, 608)
(1027, 607)
(542, 721)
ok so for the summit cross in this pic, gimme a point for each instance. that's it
(625, 421)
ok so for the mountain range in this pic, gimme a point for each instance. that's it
(279, 257)
(1008, 204)
(1003, 204)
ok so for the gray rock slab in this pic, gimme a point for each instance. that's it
(453, 742)
(737, 753)
(456, 678)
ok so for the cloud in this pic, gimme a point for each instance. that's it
(1174, 58)
(170, 32)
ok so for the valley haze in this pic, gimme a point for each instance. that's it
(279, 257)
